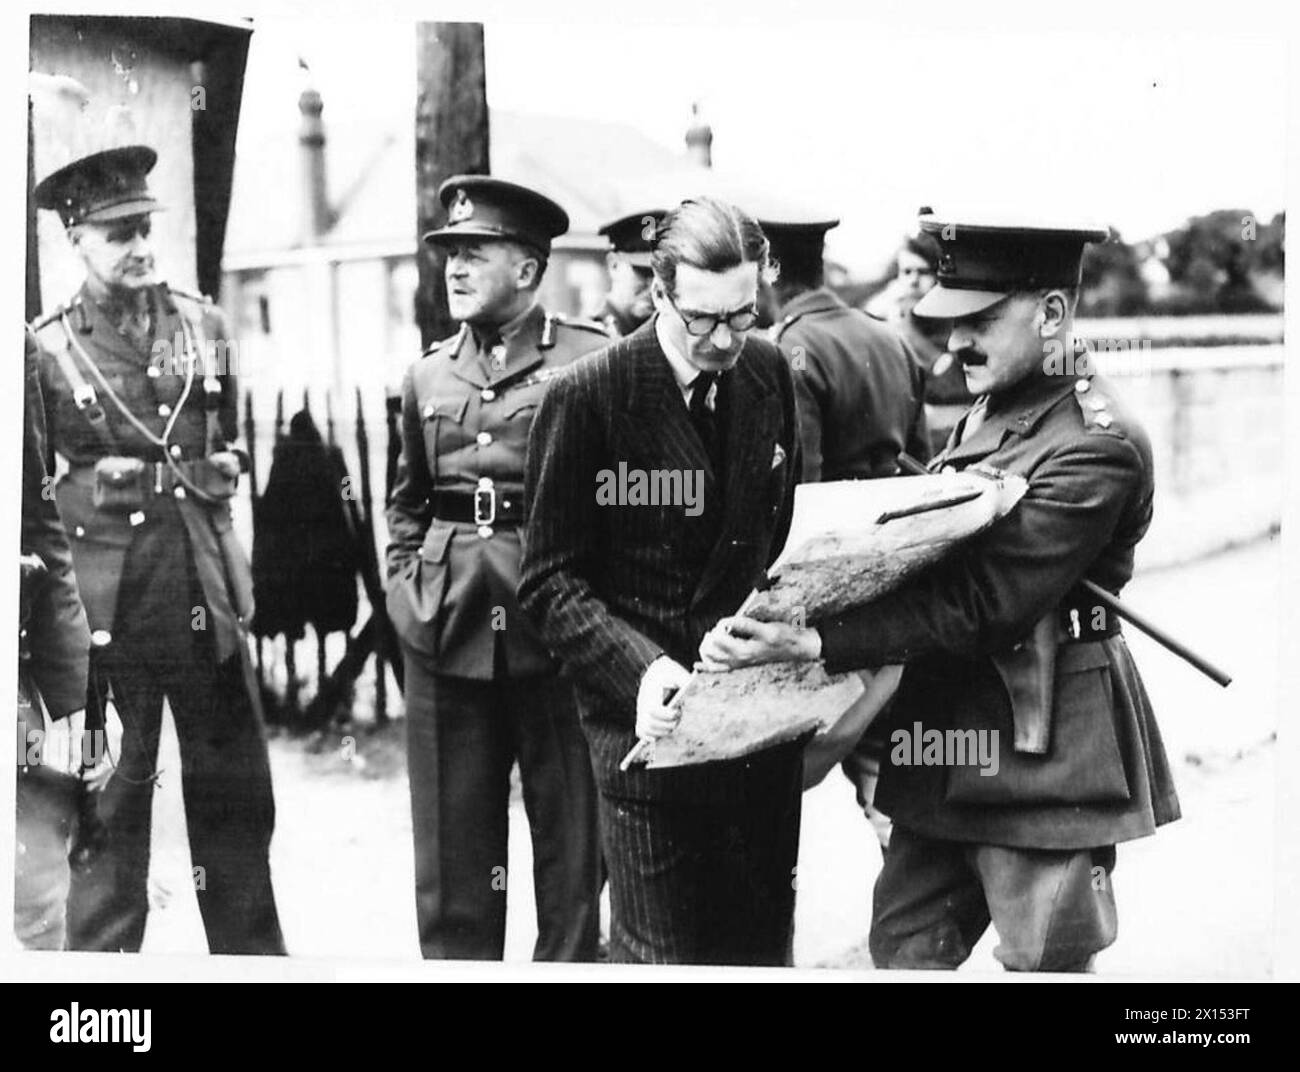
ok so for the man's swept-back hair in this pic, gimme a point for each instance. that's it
(710, 235)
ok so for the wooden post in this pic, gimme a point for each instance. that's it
(451, 137)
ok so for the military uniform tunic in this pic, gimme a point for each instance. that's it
(1032, 844)
(1105, 777)
(859, 388)
(481, 688)
(165, 582)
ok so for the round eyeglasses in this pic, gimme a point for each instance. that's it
(704, 324)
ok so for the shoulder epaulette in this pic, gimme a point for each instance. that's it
(579, 322)
(181, 292)
(786, 323)
(1095, 408)
(46, 319)
(434, 347)
(46, 325)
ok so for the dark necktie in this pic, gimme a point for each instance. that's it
(705, 419)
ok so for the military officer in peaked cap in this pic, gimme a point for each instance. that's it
(146, 420)
(628, 304)
(481, 689)
(1002, 638)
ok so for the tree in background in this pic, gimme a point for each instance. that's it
(1112, 280)
(1216, 262)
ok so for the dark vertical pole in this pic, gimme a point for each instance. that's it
(250, 441)
(291, 675)
(250, 438)
(392, 412)
(384, 648)
(279, 414)
(451, 137)
(33, 309)
(320, 658)
(220, 74)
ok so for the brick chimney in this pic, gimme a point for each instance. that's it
(699, 139)
(316, 216)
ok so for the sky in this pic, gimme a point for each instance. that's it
(1139, 127)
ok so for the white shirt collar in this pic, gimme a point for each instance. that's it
(683, 371)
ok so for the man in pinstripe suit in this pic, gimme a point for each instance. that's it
(701, 858)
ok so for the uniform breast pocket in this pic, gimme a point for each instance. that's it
(442, 420)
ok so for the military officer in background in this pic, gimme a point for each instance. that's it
(860, 388)
(861, 402)
(481, 690)
(138, 405)
(1002, 638)
(628, 304)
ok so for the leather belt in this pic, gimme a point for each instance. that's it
(160, 478)
(483, 506)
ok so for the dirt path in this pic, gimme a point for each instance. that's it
(1197, 900)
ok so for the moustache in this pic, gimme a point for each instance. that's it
(968, 355)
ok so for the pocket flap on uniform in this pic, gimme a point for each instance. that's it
(436, 542)
(1073, 658)
(522, 407)
(452, 409)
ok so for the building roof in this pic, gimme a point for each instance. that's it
(594, 169)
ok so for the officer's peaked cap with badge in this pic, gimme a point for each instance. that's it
(633, 235)
(104, 186)
(983, 260)
(479, 206)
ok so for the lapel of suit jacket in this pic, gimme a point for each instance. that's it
(752, 419)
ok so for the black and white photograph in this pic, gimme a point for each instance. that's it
(565, 492)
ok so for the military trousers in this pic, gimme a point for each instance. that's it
(463, 739)
(1052, 909)
(225, 779)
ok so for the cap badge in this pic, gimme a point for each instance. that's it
(461, 209)
(947, 264)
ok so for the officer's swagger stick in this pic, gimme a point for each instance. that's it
(1113, 604)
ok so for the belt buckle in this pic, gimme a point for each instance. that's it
(485, 502)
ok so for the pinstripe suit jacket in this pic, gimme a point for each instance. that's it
(612, 587)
